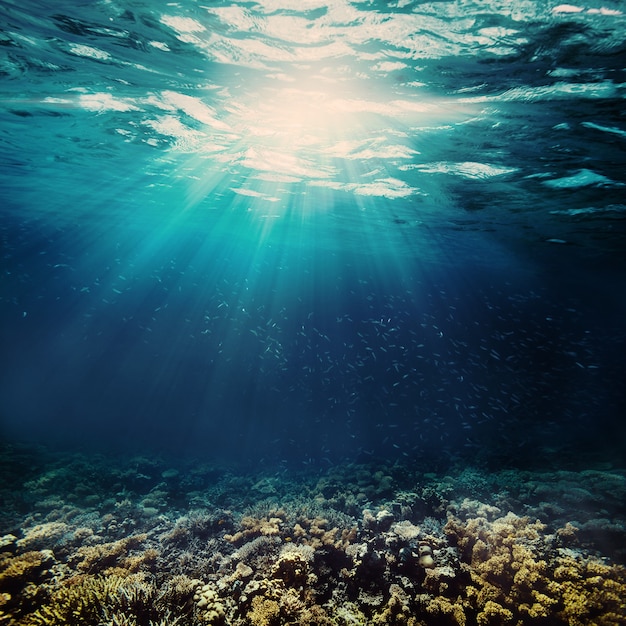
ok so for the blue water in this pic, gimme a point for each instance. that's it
(316, 230)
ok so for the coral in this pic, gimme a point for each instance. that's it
(143, 561)
(315, 616)
(344, 548)
(118, 600)
(100, 557)
(590, 592)
(177, 593)
(209, 604)
(292, 567)
(243, 571)
(405, 531)
(495, 614)
(397, 610)
(197, 525)
(8, 543)
(380, 522)
(42, 535)
(349, 613)
(440, 580)
(265, 600)
(267, 526)
(314, 532)
(514, 580)
(568, 534)
(264, 612)
(79, 600)
(256, 548)
(15, 571)
(21, 581)
(444, 610)
(290, 605)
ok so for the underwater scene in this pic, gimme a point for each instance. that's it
(312, 312)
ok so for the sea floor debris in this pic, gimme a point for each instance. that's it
(140, 541)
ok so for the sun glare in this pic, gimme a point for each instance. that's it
(299, 117)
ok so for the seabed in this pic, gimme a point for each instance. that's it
(100, 540)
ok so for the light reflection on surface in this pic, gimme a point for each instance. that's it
(343, 101)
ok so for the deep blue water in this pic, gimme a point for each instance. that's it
(315, 230)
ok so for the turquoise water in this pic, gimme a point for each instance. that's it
(314, 231)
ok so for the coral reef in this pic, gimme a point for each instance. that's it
(151, 544)
(517, 576)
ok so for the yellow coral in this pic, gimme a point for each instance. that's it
(314, 532)
(268, 526)
(291, 568)
(397, 611)
(97, 558)
(78, 601)
(442, 606)
(511, 583)
(14, 570)
(93, 600)
(592, 591)
(42, 535)
(315, 616)
(291, 604)
(568, 534)
(493, 613)
(264, 612)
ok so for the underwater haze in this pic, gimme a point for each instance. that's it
(312, 231)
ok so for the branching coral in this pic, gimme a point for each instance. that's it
(515, 578)
(315, 616)
(101, 557)
(315, 532)
(397, 610)
(42, 535)
(441, 610)
(114, 599)
(590, 592)
(351, 556)
(251, 527)
(177, 592)
(80, 600)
